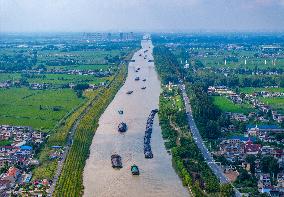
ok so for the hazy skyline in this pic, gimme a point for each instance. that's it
(141, 15)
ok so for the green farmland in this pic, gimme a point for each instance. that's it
(249, 90)
(276, 103)
(9, 76)
(226, 105)
(218, 59)
(41, 109)
(82, 67)
(56, 79)
(61, 79)
(90, 56)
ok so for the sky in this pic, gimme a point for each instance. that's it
(141, 15)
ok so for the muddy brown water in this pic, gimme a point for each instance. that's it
(157, 176)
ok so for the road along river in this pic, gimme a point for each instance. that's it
(157, 177)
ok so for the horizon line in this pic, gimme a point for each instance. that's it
(142, 32)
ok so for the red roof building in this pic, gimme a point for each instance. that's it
(251, 148)
(14, 172)
(277, 153)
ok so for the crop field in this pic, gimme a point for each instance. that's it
(178, 101)
(250, 63)
(56, 79)
(277, 103)
(9, 76)
(92, 56)
(216, 58)
(249, 90)
(41, 109)
(226, 105)
(82, 67)
(60, 79)
(84, 53)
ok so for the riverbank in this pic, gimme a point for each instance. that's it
(70, 181)
(186, 156)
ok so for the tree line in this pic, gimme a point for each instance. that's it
(186, 157)
(70, 182)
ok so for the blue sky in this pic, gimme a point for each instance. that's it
(141, 15)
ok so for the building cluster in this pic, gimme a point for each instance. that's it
(223, 90)
(16, 83)
(258, 140)
(9, 83)
(236, 149)
(230, 70)
(96, 73)
(252, 99)
(265, 133)
(265, 184)
(264, 108)
(267, 94)
(21, 134)
(38, 86)
(240, 117)
(17, 182)
(17, 153)
(89, 72)
(219, 90)
(98, 37)
(91, 86)
(5, 84)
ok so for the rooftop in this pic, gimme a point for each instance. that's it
(250, 126)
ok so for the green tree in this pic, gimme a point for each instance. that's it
(226, 190)
(269, 165)
(282, 124)
(251, 159)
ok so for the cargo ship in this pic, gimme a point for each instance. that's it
(116, 161)
(122, 127)
(135, 170)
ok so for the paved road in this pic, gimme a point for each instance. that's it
(200, 144)
(70, 141)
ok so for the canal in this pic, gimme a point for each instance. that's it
(157, 176)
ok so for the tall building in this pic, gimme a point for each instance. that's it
(109, 36)
(131, 36)
(98, 37)
(121, 36)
